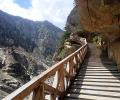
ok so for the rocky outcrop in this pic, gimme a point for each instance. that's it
(101, 16)
(70, 45)
(14, 64)
(8, 84)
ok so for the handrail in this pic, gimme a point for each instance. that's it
(63, 72)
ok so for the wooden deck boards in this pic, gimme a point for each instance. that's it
(98, 79)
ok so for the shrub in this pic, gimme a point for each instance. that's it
(65, 36)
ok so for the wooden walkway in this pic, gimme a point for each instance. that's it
(77, 77)
(97, 79)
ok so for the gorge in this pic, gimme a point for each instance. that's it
(26, 49)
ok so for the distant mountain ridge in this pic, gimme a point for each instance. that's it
(29, 32)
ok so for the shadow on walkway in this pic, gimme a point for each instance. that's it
(109, 64)
(97, 77)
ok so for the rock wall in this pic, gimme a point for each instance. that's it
(101, 16)
(114, 52)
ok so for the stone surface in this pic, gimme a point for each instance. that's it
(101, 16)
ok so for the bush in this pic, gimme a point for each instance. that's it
(65, 36)
(60, 51)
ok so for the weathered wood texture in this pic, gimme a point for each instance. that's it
(63, 72)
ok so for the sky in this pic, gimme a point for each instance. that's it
(55, 11)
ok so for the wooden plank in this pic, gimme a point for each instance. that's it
(114, 89)
(90, 96)
(98, 83)
(96, 92)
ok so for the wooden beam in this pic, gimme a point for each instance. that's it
(38, 93)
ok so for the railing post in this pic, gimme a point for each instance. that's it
(80, 57)
(84, 53)
(81, 53)
(77, 60)
(62, 81)
(53, 97)
(38, 93)
(56, 80)
(68, 74)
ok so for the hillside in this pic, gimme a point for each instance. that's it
(26, 48)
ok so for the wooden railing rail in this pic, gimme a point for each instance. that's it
(62, 72)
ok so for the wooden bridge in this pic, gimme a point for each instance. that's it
(80, 76)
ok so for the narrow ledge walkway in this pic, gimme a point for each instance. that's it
(97, 79)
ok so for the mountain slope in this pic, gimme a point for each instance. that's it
(17, 29)
(26, 48)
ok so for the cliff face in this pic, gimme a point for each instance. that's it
(101, 16)
(73, 24)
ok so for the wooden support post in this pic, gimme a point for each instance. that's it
(62, 81)
(68, 67)
(53, 97)
(71, 67)
(78, 61)
(68, 73)
(81, 59)
(55, 82)
(81, 53)
(38, 93)
(84, 51)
